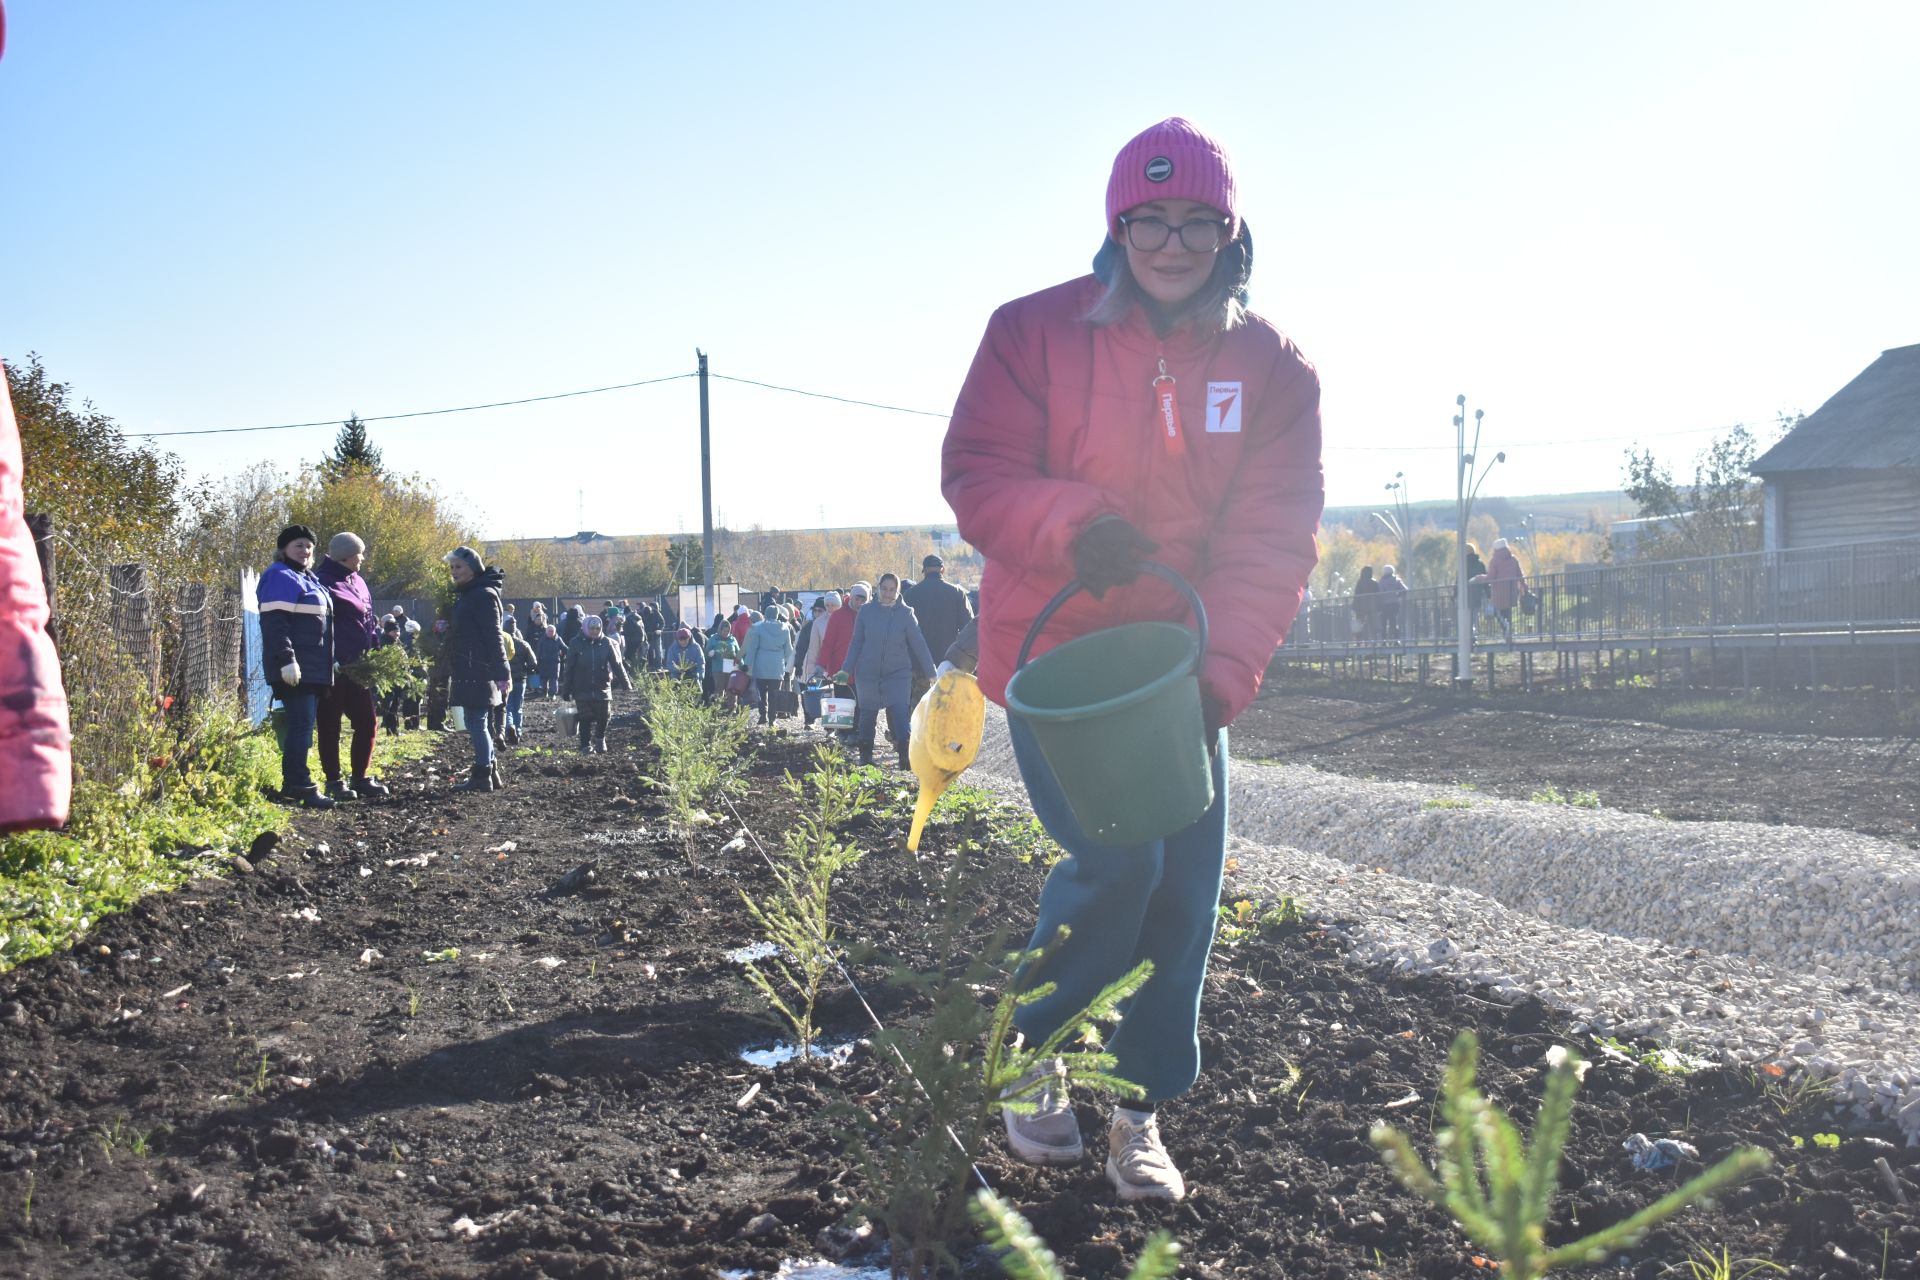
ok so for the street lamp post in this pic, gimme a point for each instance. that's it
(1466, 488)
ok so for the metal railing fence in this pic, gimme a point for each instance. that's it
(1867, 585)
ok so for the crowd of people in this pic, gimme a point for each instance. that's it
(481, 662)
(1495, 588)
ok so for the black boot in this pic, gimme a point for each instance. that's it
(479, 778)
(339, 790)
(866, 753)
(307, 797)
(368, 787)
(600, 743)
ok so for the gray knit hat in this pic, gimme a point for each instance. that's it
(467, 556)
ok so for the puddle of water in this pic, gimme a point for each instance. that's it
(815, 1269)
(836, 1052)
(758, 951)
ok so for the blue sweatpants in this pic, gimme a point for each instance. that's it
(1156, 901)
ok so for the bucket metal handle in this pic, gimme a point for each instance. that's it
(1154, 567)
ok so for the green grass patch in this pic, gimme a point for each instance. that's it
(203, 794)
(390, 752)
(1577, 800)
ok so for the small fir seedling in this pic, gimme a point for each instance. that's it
(1500, 1190)
(955, 1066)
(1025, 1256)
(796, 917)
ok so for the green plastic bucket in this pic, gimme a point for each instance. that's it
(1117, 715)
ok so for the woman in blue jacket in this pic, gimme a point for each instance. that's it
(296, 633)
(886, 653)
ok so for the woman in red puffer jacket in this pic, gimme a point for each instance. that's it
(1139, 411)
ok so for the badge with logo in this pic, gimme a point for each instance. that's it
(1223, 406)
(1159, 169)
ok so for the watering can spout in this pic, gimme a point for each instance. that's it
(945, 738)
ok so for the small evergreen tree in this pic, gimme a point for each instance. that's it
(352, 451)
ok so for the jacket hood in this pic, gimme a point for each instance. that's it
(485, 578)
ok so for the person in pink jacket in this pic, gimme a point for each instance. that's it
(1506, 584)
(1141, 411)
(36, 764)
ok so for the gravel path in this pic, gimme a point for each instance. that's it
(1756, 944)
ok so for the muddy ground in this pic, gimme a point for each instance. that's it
(274, 1074)
(1514, 745)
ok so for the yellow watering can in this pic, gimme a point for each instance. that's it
(945, 738)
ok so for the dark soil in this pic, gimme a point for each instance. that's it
(1515, 745)
(300, 1114)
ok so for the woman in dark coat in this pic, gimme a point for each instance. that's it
(296, 635)
(476, 659)
(1366, 605)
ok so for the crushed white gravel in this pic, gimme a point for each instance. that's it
(1794, 946)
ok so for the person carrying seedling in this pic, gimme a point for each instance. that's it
(684, 659)
(1141, 411)
(594, 670)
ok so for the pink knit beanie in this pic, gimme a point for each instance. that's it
(1173, 160)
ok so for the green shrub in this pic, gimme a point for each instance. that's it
(702, 749)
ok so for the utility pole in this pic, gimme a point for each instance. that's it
(706, 486)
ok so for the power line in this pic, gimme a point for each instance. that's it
(892, 408)
(421, 413)
(1781, 419)
(821, 395)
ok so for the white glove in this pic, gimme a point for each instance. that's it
(290, 674)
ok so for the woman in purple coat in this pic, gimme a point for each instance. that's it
(354, 632)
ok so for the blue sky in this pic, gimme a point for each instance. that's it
(1600, 223)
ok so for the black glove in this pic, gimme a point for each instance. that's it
(1108, 554)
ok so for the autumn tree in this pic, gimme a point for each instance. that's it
(1717, 514)
(406, 523)
(79, 469)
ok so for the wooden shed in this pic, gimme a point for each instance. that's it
(1850, 472)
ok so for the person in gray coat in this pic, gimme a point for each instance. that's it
(886, 652)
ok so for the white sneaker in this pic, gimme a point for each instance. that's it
(1138, 1165)
(1048, 1134)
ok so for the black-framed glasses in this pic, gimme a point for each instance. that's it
(1202, 235)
